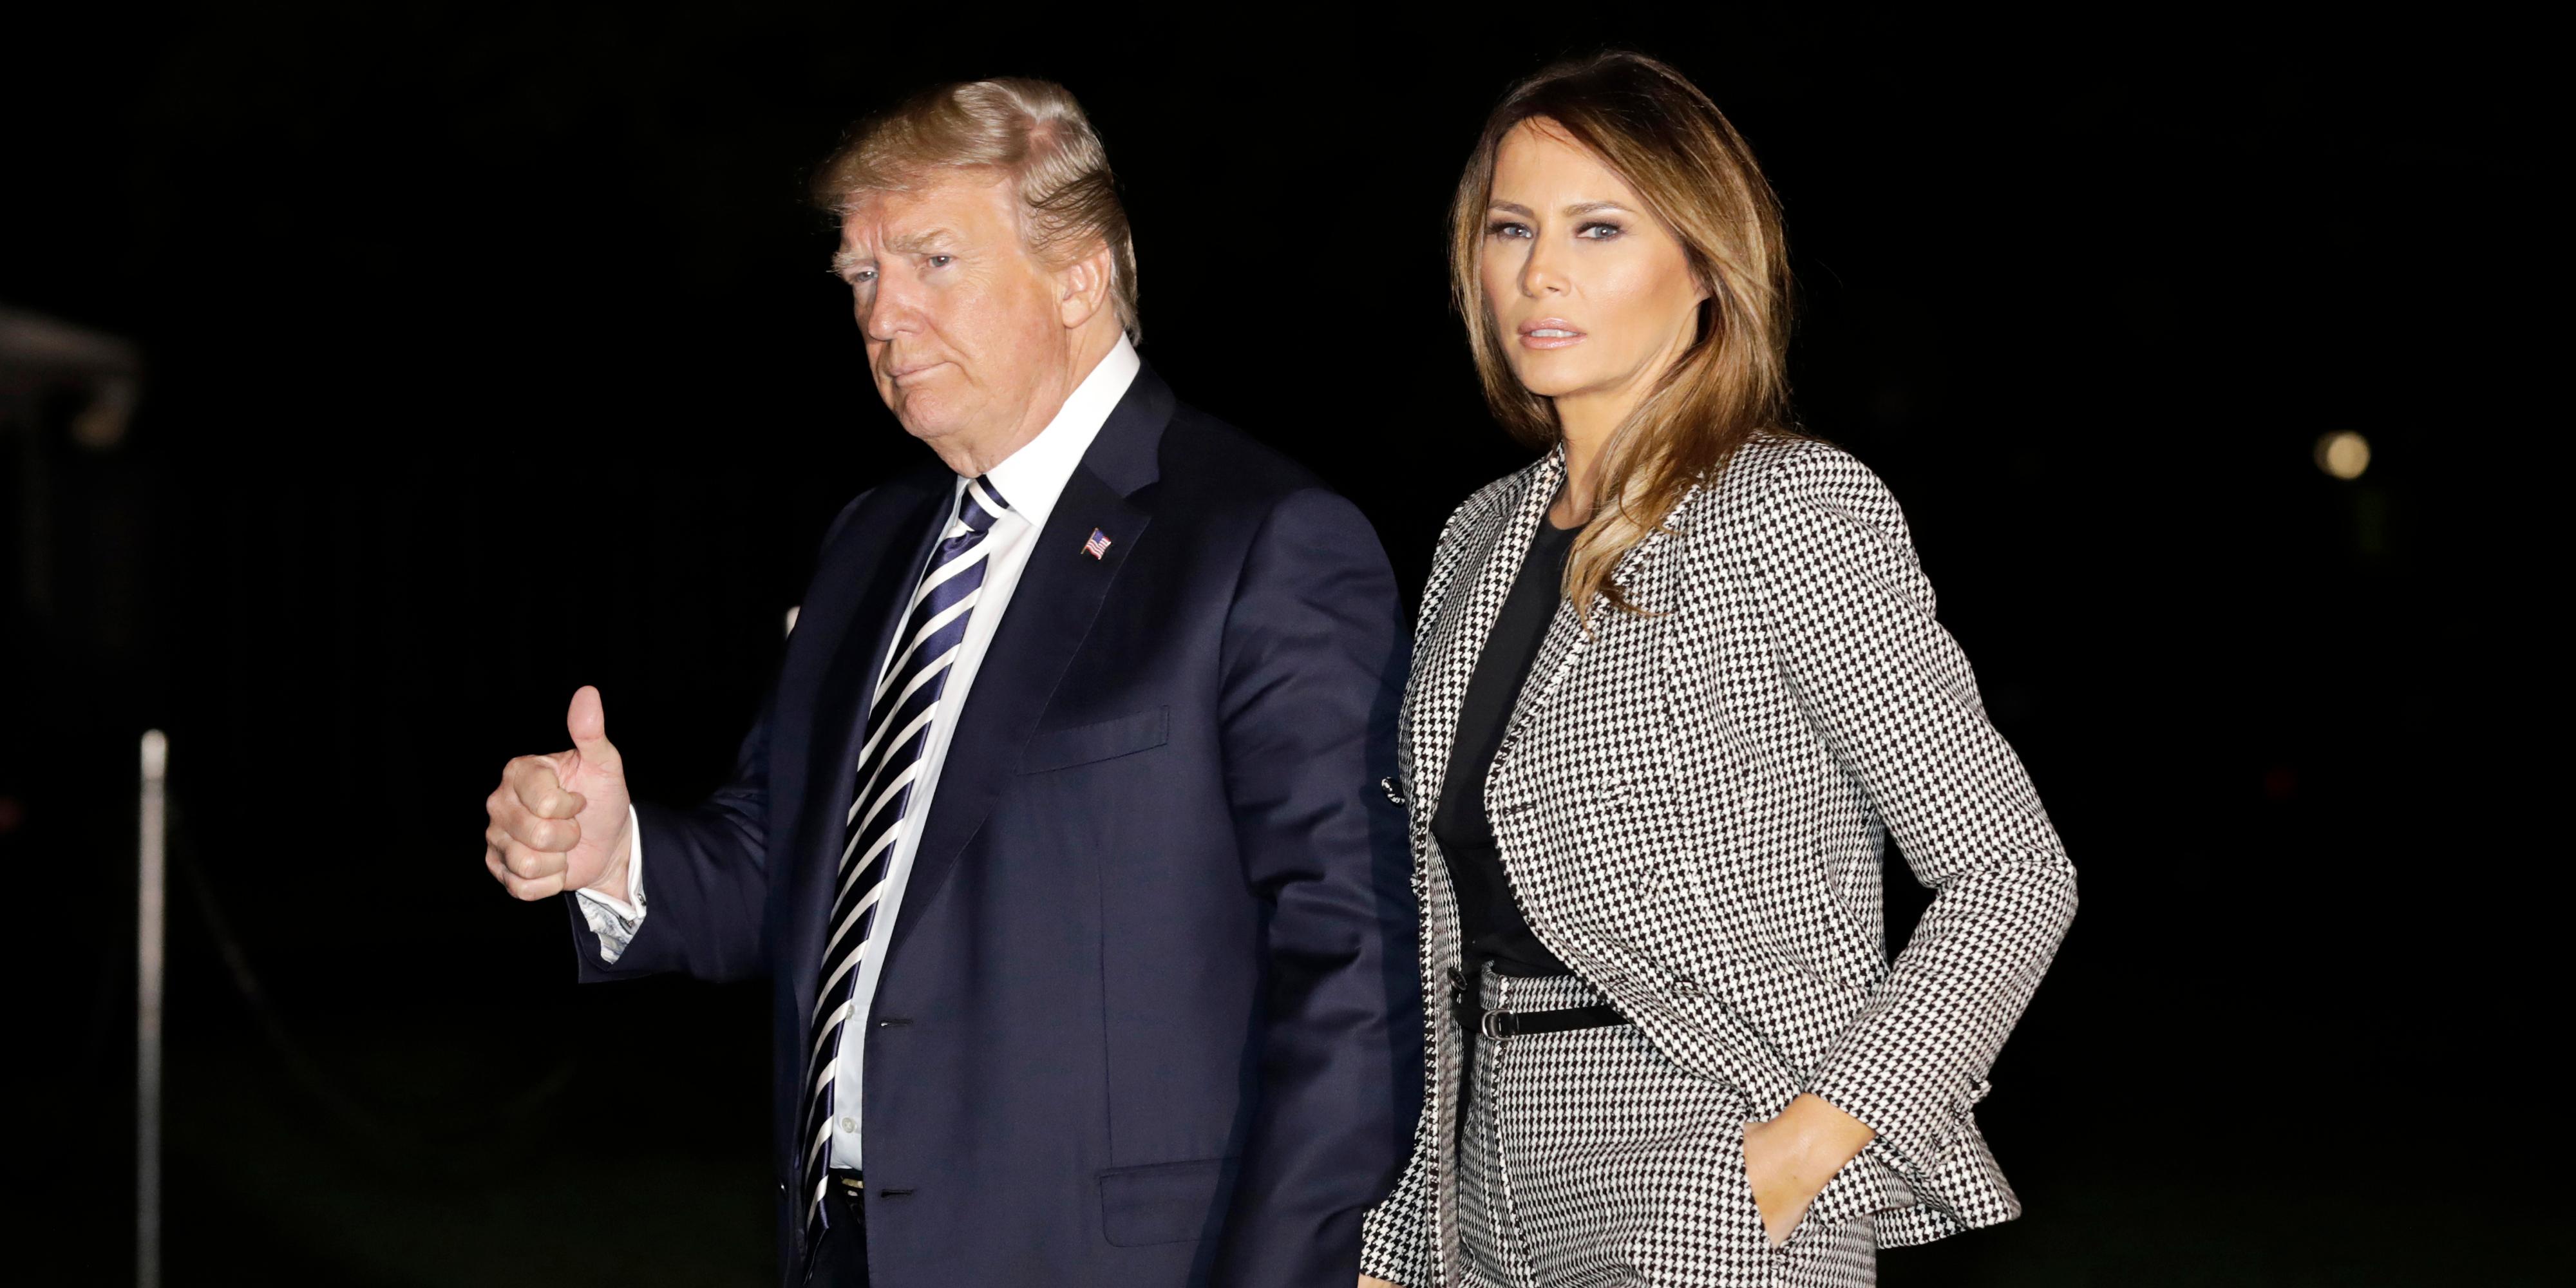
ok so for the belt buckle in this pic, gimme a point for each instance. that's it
(1497, 1024)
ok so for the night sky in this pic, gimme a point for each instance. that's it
(491, 353)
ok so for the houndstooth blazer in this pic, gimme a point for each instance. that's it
(1693, 803)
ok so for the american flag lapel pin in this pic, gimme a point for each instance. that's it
(1098, 546)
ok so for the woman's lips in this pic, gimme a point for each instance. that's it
(1550, 333)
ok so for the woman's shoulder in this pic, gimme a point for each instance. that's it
(1492, 498)
(1777, 473)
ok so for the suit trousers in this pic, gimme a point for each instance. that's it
(841, 1259)
(1588, 1158)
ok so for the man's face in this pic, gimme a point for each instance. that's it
(963, 326)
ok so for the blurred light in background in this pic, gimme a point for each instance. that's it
(2343, 454)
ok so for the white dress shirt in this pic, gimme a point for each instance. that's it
(1029, 481)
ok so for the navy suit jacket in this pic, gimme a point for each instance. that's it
(1149, 1015)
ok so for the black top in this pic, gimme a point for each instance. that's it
(1488, 916)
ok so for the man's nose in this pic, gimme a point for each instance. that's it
(890, 313)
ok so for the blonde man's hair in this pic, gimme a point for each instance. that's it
(1033, 133)
(1696, 175)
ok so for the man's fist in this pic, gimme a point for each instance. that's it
(559, 822)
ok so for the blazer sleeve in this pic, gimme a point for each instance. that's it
(1891, 694)
(710, 881)
(1313, 667)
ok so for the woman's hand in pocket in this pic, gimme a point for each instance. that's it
(1788, 1159)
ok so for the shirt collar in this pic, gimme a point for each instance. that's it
(1031, 478)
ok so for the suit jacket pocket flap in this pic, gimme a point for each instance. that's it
(1082, 744)
(1165, 1203)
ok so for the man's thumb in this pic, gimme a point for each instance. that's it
(588, 723)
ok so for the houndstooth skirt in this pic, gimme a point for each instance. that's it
(1589, 1160)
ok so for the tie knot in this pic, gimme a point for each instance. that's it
(981, 505)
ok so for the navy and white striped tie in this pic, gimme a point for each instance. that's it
(890, 762)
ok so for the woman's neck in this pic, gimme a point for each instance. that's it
(1585, 424)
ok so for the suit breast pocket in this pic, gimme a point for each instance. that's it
(1126, 735)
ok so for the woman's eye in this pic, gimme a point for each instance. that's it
(1506, 228)
(1599, 232)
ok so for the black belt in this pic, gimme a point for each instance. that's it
(1477, 1021)
(1512, 1024)
(1509, 1024)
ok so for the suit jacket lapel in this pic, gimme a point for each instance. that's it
(897, 528)
(1050, 612)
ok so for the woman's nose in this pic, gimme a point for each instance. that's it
(1540, 273)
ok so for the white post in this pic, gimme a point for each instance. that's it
(148, 940)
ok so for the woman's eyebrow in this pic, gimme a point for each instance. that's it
(1578, 208)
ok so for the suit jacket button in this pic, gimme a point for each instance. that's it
(1387, 785)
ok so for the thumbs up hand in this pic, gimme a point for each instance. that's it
(559, 822)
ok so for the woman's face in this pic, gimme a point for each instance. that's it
(1592, 295)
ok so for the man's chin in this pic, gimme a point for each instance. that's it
(927, 417)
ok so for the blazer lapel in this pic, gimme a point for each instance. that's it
(1466, 616)
(900, 529)
(1567, 639)
(1050, 612)
(1448, 658)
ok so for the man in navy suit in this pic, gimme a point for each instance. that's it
(1060, 833)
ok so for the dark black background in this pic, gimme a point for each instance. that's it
(491, 353)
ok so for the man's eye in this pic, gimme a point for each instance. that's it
(941, 261)
(863, 276)
(1506, 228)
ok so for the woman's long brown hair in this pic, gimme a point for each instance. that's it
(1663, 136)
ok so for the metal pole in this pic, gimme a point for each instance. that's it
(148, 941)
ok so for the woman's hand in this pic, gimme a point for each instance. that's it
(1372, 1281)
(1788, 1159)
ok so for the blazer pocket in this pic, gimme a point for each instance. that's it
(1082, 744)
(1164, 1203)
(1859, 1189)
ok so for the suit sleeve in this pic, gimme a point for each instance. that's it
(710, 881)
(1313, 669)
(1891, 694)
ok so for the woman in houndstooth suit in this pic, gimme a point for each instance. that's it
(1675, 685)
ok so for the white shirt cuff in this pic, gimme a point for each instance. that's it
(615, 920)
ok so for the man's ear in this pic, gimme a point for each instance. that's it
(1085, 285)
